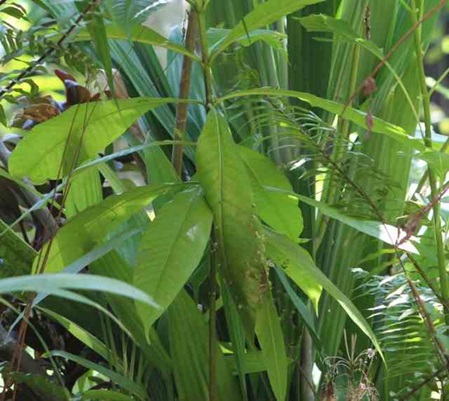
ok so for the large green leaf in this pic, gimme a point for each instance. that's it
(228, 191)
(89, 228)
(299, 266)
(171, 249)
(191, 367)
(262, 15)
(76, 135)
(271, 340)
(277, 209)
(356, 116)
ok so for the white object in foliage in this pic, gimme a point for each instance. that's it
(169, 14)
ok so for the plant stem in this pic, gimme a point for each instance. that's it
(432, 177)
(205, 57)
(184, 90)
(213, 395)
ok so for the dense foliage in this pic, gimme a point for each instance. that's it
(243, 203)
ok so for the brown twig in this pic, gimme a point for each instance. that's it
(184, 90)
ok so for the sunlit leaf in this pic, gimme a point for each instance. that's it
(89, 228)
(58, 283)
(76, 135)
(277, 209)
(171, 249)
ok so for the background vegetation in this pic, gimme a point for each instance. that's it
(240, 202)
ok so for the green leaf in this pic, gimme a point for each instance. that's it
(58, 283)
(307, 282)
(263, 14)
(275, 39)
(191, 369)
(356, 116)
(170, 251)
(299, 266)
(438, 161)
(277, 209)
(85, 191)
(89, 228)
(271, 340)
(254, 362)
(140, 34)
(83, 130)
(238, 232)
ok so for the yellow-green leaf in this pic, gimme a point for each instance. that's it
(170, 251)
(76, 135)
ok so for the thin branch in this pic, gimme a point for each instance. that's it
(184, 90)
